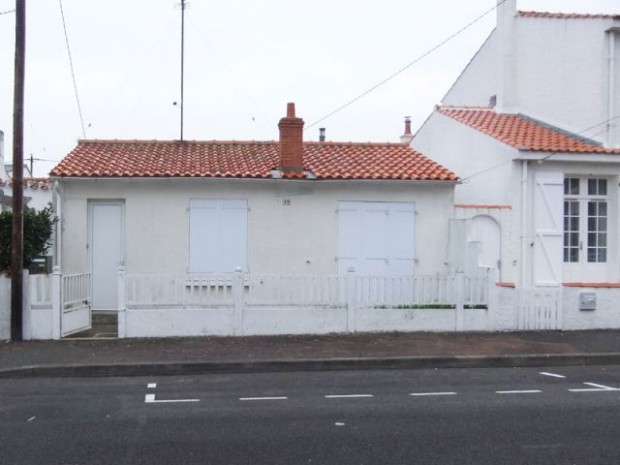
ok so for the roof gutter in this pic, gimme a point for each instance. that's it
(570, 157)
(253, 180)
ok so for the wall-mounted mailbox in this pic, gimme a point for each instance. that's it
(587, 301)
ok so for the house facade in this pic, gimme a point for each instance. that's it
(532, 127)
(288, 207)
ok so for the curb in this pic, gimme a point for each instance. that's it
(395, 363)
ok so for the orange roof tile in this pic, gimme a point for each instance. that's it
(234, 159)
(521, 132)
(546, 14)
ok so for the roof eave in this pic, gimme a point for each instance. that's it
(571, 157)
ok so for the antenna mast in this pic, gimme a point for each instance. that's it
(182, 59)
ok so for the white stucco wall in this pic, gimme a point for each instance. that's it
(300, 238)
(605, 316)
(562, 72)
(478, 159)
(477, 83)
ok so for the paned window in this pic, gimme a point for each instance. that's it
(585, 218)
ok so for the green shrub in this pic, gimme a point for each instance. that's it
(38, 228)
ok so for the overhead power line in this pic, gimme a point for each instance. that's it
(75, 89)
(6, 12)
(407, 66)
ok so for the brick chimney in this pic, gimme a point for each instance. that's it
(291, 141)
(407, 137)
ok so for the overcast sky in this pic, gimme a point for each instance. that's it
(244, 61)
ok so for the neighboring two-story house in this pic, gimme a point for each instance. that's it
(532, 126)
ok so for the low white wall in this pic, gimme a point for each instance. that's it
(606, 315)
(5, 308)
(274, 320)
(177, 322)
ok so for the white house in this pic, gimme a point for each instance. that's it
(287, 206)
(532, 126)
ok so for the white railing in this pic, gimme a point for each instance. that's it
(76, 290)
(476, 291)
(304, 290)
(258, 289)
(157, 291)
(405, 291)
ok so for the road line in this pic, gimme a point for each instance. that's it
(553, 375)
(415, 394)
(151, 385)
(525, 391)
(263, 398)
(346, 396)
(150, 399)
(30, 419)
(596, 388)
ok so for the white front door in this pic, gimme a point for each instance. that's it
(106, 251)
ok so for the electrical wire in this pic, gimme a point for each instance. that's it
(75, 89)
(6, 12)
(408, 65)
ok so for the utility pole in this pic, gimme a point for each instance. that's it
(182, 59)
(17, 232)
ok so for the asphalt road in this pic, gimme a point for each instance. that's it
(491, 416)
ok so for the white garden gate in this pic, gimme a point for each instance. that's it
(539, 308)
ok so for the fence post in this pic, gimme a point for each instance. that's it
(26, 307)
(460, 301)
(56, 302)
(122, 304)
(351, 303)
(238, 329)
(492, 300)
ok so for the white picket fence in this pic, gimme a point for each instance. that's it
(186, 291)
(269, 303)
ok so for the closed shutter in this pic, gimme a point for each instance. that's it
(218, 235)
(547, 218)
(376, 237)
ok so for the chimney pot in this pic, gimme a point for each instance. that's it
(290, 110)
(321, 134)
(407, 137)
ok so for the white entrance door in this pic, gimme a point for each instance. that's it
(376, 238)
(106, 251)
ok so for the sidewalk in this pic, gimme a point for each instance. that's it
(133, 357)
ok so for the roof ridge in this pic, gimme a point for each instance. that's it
(560, 15)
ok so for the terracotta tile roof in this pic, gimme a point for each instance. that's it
(546, 14)
(233, 159)
(521, 132)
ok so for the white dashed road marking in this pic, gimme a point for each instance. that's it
(525, 391)
(416, 394)
(595, 388)
(347, 396)
(553, 375)
(263, 398)
(150, 399)
(151, 385)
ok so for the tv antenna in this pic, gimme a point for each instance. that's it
(183, 5)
